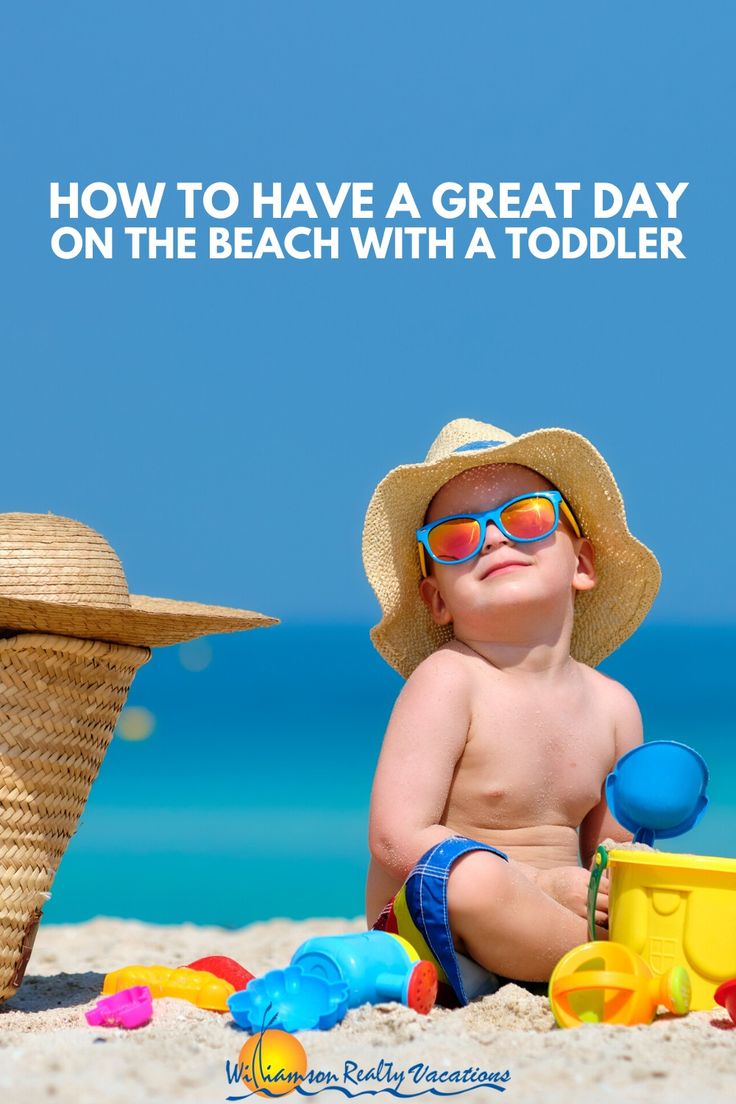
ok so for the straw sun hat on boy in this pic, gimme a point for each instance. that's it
(628, 574)
(59, 576)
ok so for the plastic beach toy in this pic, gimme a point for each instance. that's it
(377, 966)
(129, 1008)
(725, 995)
(290, 1000)
(602, 982)
(658, 790)
(226, 968)
(673, 910)
(332, 973)
(196, 986)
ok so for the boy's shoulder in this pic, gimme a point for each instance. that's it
(448, 664)
(437, 689)
(620, 704)
(614, 691)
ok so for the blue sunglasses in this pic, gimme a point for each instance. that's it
(526, 518)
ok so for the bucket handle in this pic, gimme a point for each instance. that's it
(600, 862)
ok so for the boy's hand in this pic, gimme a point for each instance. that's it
(568, 885)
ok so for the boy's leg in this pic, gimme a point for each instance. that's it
(500, 918)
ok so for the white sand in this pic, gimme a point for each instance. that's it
(48, 1052)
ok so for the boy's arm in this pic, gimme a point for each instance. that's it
(424, 740)
(599, 824)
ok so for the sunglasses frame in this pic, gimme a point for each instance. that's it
(494, 515)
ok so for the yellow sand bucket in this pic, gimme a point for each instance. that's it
(676, 910)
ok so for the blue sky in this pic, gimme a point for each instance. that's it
(182, 407)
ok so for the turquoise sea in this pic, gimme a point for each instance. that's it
(249, 799)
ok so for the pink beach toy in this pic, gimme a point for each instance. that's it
(128, 1008)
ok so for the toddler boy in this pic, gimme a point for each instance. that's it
(505, 572)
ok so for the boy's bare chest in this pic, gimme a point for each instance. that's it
(532, 761)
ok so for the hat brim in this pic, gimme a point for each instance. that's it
(628, 572)
(146, 622)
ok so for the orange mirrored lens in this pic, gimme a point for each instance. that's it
(529, 519)
(454, 540)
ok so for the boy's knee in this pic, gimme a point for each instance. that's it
(478, 878)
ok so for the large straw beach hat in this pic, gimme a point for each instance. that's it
(628, 573)
(59, 576)
(71, 640)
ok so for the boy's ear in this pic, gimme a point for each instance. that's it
(430, 594)
(585, 577)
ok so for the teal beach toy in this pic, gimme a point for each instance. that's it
(376, 966)
(655, 790)
(332, 973)
(290, 1000)
(658, 790)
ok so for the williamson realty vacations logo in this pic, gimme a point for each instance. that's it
(274, 1063)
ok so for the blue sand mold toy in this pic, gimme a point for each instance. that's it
(658, 790)
(290, 1000)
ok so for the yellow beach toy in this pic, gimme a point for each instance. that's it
(602, 982)
(196, 986)
(677, 910)
(673, 910)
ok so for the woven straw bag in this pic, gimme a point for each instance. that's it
(63, 592)
(59, 701)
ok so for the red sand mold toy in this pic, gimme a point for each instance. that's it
(226, 968)
(725, 995)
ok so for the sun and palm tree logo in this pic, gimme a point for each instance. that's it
(272, 1063)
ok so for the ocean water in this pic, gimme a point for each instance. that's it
(249, 799)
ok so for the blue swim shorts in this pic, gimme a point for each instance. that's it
(418, 913)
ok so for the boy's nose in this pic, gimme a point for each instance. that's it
(493, 538)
